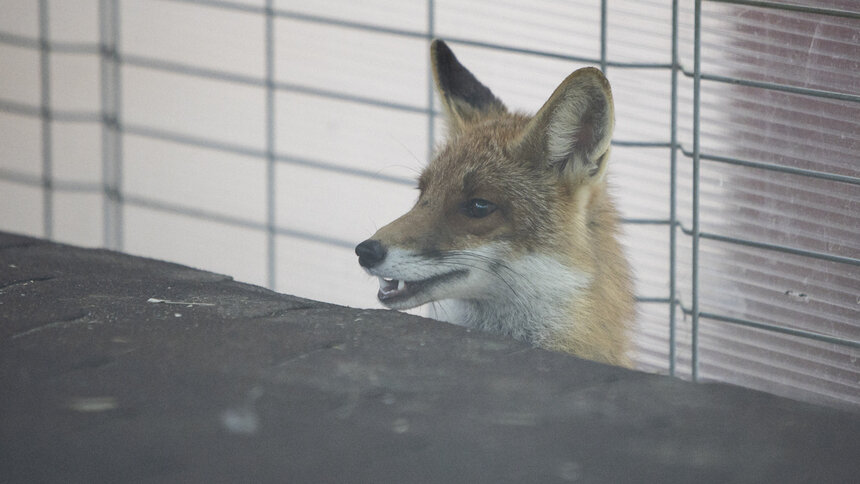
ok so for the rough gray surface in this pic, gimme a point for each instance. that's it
(240, 384)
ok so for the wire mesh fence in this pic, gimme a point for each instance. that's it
(746, 241)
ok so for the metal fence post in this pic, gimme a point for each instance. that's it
(697, 79)
(271, 252)
(47, 121)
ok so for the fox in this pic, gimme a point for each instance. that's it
(514, 230)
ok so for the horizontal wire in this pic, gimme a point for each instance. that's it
(19, 40)
(774, 86)
(210, 216)
(55, 114)
(20, 177)
(58, 185)
(780, 329)
(340, 96)
(258, 153)
(145, 202)
(641, 144)
(64, 47)
(553, 55)
(226, 5)
(813, 335)
(420, 34)
(20, 108)
(189, 140)
(853, 180)
(832, 12)
(772, 247)
(178, 68)
(311, 163)
(752, 3)
(646, 221)
(653, 300)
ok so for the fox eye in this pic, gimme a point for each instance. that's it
(478, 208)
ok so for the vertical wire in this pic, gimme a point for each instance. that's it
(106, 108)
(431, 115)
(697, 79)
(45, 94)
(603, 23)
(117, 127)
(111, 142)
(673, 192)
(271, 265)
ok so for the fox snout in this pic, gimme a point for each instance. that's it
(370, 253)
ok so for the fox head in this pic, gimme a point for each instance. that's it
(511, 208)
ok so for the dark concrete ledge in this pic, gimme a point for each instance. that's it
(227, 382)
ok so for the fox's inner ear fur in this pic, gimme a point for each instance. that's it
(463, 97)
(573, 129)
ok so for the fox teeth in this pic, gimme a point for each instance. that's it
(390, 284)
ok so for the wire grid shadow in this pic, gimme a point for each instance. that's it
(263, 139)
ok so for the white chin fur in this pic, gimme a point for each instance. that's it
(520, 295)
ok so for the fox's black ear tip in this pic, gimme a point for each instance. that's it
(439, 48)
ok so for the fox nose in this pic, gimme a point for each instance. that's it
(370, 253)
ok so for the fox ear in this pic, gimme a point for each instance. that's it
(464, 98)
(573, 129)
